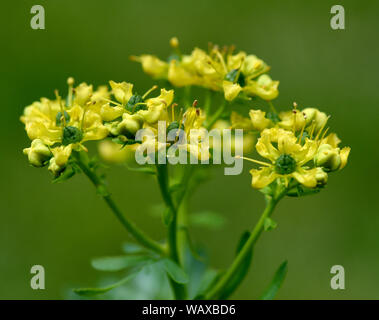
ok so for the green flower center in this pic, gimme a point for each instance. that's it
(71, 135)
(232, 75)
(285, 164)
(133, 103)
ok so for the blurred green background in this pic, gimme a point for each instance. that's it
(63, 226)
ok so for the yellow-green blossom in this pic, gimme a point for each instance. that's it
(288, 159)
(218, 70)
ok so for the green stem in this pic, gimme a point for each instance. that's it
(182, 203)
(208, 102)
(216, 115)
(138, 234)
(162, 175)
(272, 107)
(224, 280)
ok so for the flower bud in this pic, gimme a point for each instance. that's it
(313, 115)
(130, 124)
(264, 87)
(174, 42)
(38, 153)
(321, 177)
(54, 168)
(328, 157)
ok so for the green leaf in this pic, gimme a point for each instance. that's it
(131, 248)
(90, 292)
(269, 224)
(118, 263)
(174, 271)
(210, 278)
(207, 219)
(276, 282)
(147, 170)
(242, 271)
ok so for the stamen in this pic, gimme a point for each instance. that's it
(83, 147)
(301, 133)
(137, 104)
(70, 82)
(149, 91)
(313, 129)
(211, 63)
(173, 111)
(322, 128)
(114, 102)
(253, 160)
(272, 106)
(181, 120)
(135, 58)
(61, 106)
(231, 49)
(221, 58)
(324, 134)
(254, 75)
(194, 104)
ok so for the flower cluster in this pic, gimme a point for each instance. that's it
(217, 70)
(58, 127)
(297, 147)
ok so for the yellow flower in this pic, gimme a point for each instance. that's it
(122, 91)
(288, 159)
(157, 107)
(153, 66)
(217, 70)
(83, 92)
(179, 76)
(240, 122)
(316, 117)
(38, 153)
(292, 120)
(60, 157)
(259, 120)
(330, 156)
(130, 124)
(110, 113)
(253, 66)
(231, 90)
(264, 87)
(56, 129)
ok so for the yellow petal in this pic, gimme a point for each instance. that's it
(231, 90)
(259, 120)
(344, 154)
(262, 177)
(109, 113)
(179, 76)
(122, 91)
(154, 66)
(306, 177)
